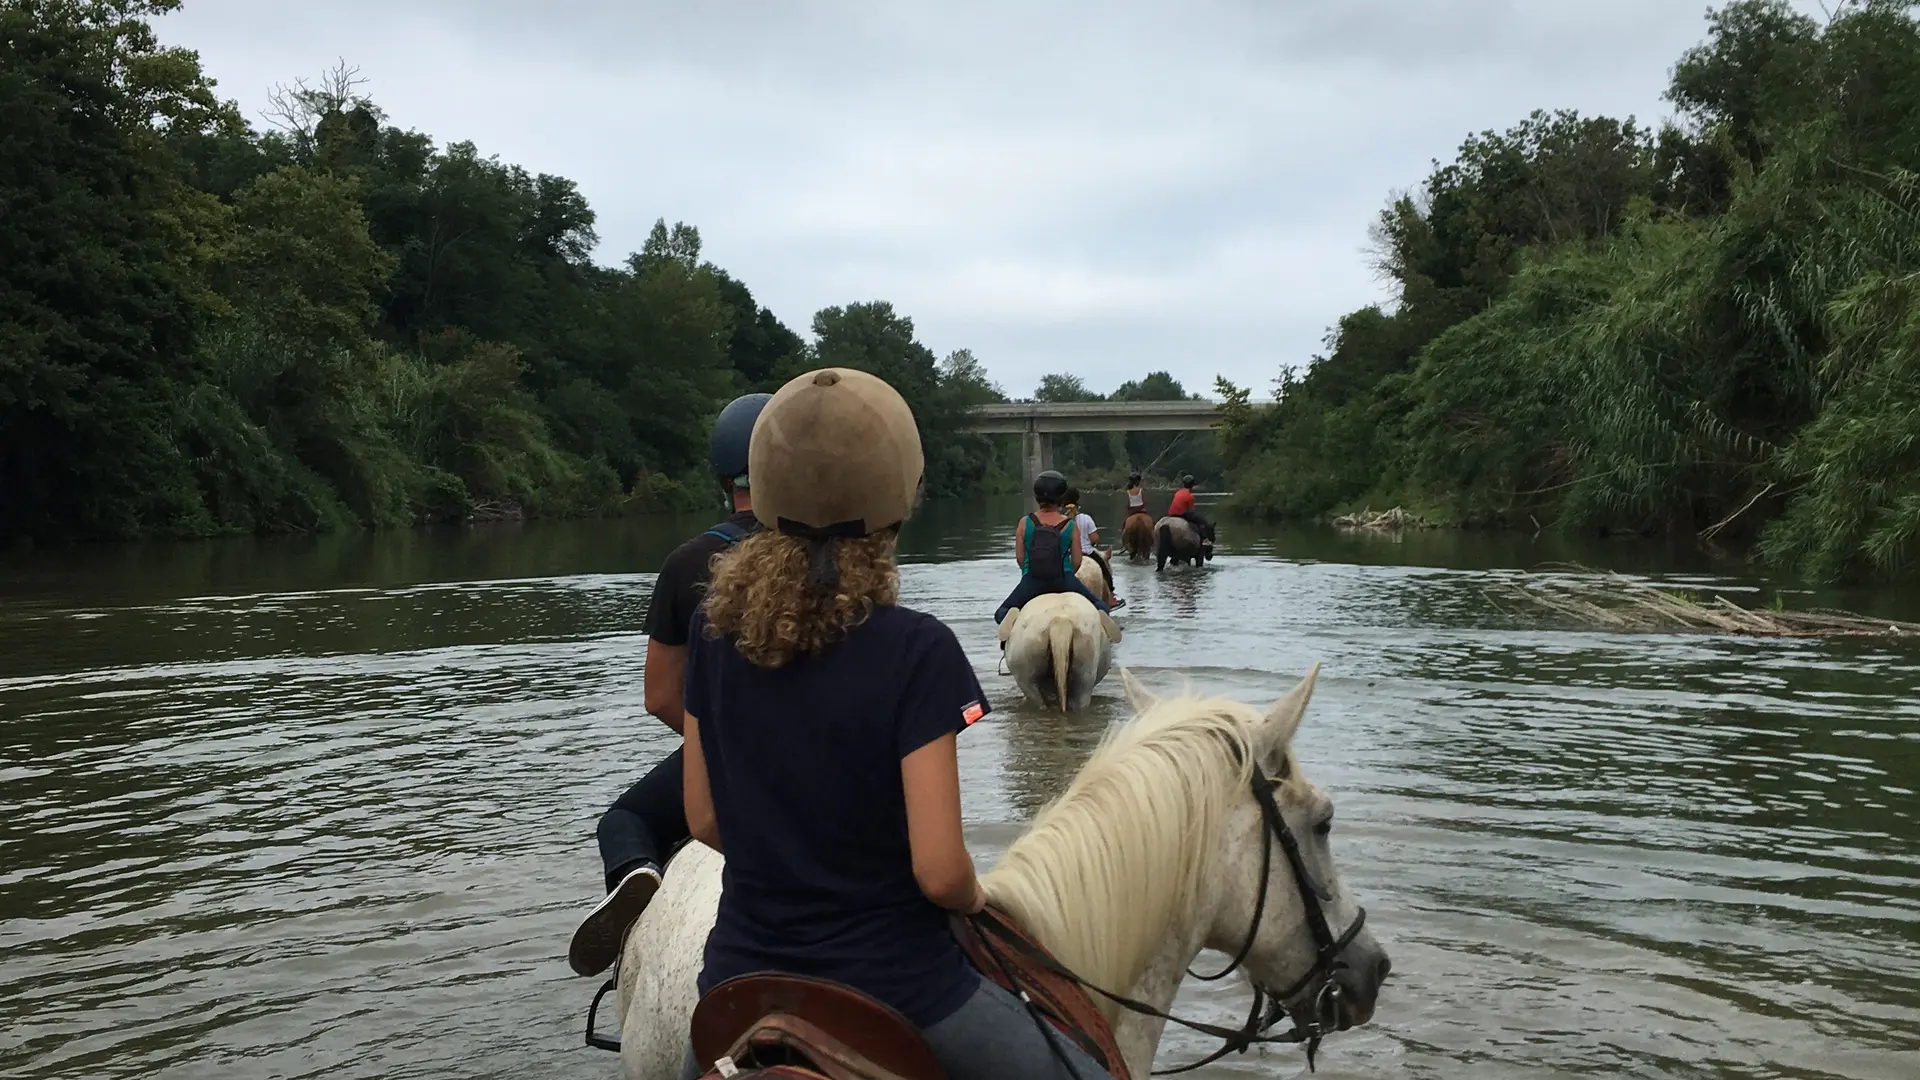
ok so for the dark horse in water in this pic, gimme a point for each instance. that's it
(1178, 542)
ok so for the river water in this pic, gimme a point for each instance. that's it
(324, 806)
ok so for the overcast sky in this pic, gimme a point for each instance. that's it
(1097, 188)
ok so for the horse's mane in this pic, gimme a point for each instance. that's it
(1109, 867)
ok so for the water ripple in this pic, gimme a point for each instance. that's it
(344, 827)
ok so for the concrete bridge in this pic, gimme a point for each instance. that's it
(1035, 421)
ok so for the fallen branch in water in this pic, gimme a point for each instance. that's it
(1618, 602)
(1394, 519)
(1710, 531)
(508, 510)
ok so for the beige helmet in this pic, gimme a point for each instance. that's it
(834, 454)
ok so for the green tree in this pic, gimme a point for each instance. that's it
(334, 322)
(872, 337)
(101, 249)
(1162, 453)
(1703, 335)
(760, 344)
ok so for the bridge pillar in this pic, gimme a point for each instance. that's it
(1037, 449)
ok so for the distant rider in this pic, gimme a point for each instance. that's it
(1182, 507)
(1045, 548)
(1089, 534)
(1136, 498)
(648, 822)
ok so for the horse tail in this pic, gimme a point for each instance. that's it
(1060, 646)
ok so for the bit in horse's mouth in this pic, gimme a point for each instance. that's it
(1347, 1014)
(1326, 1011)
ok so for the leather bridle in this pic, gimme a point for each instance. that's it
(1269, 1006)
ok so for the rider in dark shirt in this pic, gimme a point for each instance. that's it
(822, 720)
(647, 822)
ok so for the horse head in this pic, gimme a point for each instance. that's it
(1280, 908)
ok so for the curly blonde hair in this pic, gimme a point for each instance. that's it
(760, 597)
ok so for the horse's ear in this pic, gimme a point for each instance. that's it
(1138, 696)
(1284, 718)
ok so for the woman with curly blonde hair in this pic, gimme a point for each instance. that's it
(820, 740)
(758, 597)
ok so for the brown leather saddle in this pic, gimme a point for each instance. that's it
(773, 1025)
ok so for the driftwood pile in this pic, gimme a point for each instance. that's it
(1617, 602)
(507, 510)
(1382, 520)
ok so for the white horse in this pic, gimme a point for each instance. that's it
(1063, 636)
(1155, 851)
(1095, 581)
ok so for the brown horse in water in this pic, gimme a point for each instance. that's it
(1136, 537)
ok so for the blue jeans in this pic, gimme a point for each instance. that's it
(645, 823)
(1028, 589)
(991, 1037)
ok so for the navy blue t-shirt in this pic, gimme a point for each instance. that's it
(804, 765)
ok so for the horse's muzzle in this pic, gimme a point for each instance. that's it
(1347, 999)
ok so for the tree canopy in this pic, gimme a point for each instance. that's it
(1708, 331)
(329, 320)
(332, 321)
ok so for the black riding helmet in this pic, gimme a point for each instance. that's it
(1133, 479)
(1186, 480)
(732, 434)
(1049, 487)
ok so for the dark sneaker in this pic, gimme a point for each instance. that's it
(596, 945)
(1117, 604)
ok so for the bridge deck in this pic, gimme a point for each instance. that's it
(1062, 416)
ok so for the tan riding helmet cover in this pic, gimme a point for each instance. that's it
(835, 454)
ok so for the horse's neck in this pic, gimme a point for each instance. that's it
(1139, 1036)
(1154, 986)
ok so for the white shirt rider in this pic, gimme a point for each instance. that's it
(1083, 524)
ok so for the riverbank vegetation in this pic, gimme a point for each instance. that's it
(331, 321)
(206, 327)
(1712, 329)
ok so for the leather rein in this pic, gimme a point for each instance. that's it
(1269, 1007)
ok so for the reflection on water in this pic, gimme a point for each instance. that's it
(324, 806)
